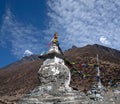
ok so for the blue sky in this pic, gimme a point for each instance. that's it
(26, 26)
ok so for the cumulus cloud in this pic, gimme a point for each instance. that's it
(27, 53)
(104, 40)
(19, 37)
(82, 22)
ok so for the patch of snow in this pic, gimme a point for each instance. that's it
(27, 53)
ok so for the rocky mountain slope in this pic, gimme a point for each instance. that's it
(18, 79)
(109, 63)
(105, 53)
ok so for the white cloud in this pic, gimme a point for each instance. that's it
(104, 40)
(27, 53)
(81, 22)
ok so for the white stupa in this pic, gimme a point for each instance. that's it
(54, 78)
(54, 71)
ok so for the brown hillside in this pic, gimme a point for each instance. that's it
(109, 63)
(20, 79)
(105, 53)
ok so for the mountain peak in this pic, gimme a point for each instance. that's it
(74, 46)
(104, 53)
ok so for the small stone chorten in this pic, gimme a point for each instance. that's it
(97, 90)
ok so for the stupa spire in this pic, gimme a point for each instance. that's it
(54, 51)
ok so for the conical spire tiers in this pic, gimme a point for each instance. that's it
(54, 51)
(54, 48)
